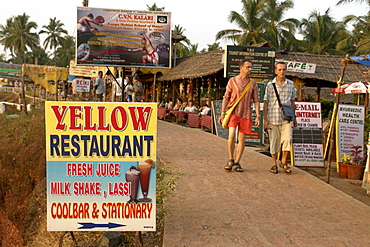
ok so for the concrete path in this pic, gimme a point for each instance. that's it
(213, 207)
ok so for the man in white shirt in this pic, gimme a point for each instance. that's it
(118, 89)
(205, 109)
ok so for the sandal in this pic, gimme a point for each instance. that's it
(238, 167)
(286, 167)
(274, 169)
(229, 165)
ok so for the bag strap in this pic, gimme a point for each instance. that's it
(245, 90)
(276, 92)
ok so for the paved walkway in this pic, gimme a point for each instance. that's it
(213, 207)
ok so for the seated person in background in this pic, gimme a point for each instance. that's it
(178, 105)
(205, 110)
(191, 107)
(169, 105)
(183, 106)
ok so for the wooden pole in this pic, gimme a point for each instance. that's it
(123, 86)
(24, 91)
(334, 117)
(153, 91)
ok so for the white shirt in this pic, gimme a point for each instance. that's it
(117, 86)
(205, 111)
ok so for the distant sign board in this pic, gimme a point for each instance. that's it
(263, 59)
(256, 137)
(216, 113)
(101, 166)
(350, 129)
(10, 72)
(111, 37)
(308, 114)
(300, 67)
(85, 71)
(81, 85)
(308, 149)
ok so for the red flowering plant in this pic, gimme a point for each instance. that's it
(356, 157)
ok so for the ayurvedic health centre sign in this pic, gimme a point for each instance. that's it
(101, 166)
(350, 129)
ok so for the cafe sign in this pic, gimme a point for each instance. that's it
(300, 67)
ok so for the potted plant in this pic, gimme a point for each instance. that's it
(355, 170)
(346, 159)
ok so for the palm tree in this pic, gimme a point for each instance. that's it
(19, 36)
(154, 8)
(4, 29)
(359, 40)
(66, 52)
(193, 49)
(181, 47)
(350, 1)
(38, 56)
(321, 33)
(54, 31)
(250, 23)
(214, 47)
(2, 57)
(279, 32)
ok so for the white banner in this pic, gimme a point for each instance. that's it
(308, 114)
(300, 67)
(81, 85)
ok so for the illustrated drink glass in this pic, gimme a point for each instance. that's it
(144, 169)
(132, 176)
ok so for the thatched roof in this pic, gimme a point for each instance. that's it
(328, 67)
(199, 65)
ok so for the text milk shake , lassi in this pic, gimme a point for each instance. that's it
(144, 168)
(132, 176)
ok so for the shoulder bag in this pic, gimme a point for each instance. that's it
(229, 111)
(288, 113)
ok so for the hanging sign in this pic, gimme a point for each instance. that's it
(126, 38)
(263, 59)
(300, 67)
(81, 85)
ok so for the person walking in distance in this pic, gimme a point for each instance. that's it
(242, 115)
(279, 130)
(138, 90)
(99, 86)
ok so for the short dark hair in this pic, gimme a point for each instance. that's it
(281, 62)
(91, 16)
(241, 63)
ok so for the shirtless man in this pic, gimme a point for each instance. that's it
(151, 54)
(84, 25)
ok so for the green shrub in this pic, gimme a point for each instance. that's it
(327, 107)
